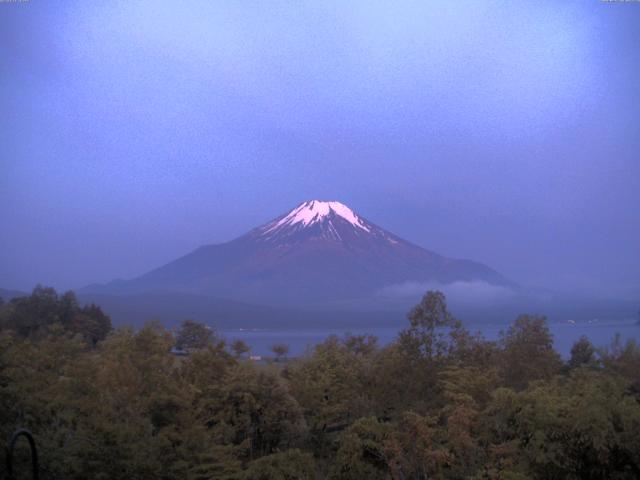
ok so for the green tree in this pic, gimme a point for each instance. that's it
(363, 451)
(280, 350)
(582, 354)
(193, 335)
(528, 352)
(291, 464)
(432, 329)
(91, 323)
(239, 348)
(623, 359)
(361, 344)
(34, 316)
(408, 370)
(417, 448)
(29, 316)
(581, 427)
(436, 403)
(253, 409)
(330, 387)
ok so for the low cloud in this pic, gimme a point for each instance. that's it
(458, 292)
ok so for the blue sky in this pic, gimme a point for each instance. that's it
(505, 132)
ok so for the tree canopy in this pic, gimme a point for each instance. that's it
(35, 316)
(435, 403)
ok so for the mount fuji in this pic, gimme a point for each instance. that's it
(318, 253)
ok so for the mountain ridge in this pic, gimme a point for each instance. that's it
(317, 252)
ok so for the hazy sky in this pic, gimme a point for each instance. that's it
(505, 132)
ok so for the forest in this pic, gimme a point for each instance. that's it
(440, 402)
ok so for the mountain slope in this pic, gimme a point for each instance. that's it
(317, 252)
(6, 294)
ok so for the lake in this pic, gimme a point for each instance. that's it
(564, 334)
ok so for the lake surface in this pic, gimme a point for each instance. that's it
(565, 334)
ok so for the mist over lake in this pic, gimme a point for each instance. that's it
(302, 341)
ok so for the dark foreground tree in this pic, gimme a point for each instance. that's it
(193, 335)
(36, 315)
(280, 350)
(435, 403)
(528, 352)
(583, 353)
(288, 465)
(239, 348)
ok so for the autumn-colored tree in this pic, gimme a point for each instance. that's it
(417, 448)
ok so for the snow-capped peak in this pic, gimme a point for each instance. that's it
(315, 211)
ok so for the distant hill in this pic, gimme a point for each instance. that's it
(7, 294)
(172, 307)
